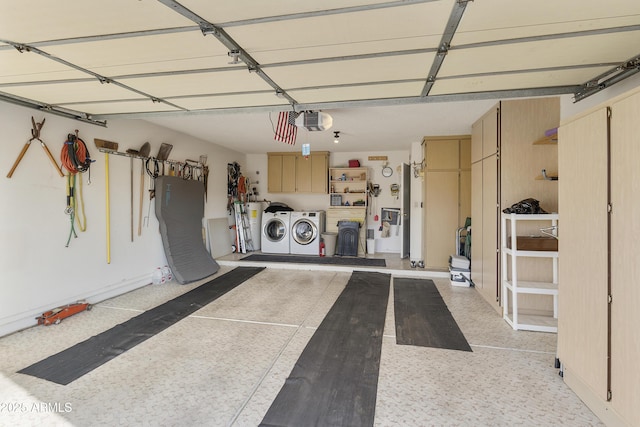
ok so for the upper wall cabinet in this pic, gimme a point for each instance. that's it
(295, 173)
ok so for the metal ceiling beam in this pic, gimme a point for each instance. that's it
(103, 37)
(316, 13)
(51, 109)
(608, 79)
(501, 94)
(445, 43)
(22, 48)
(554, 36)
(224, 38)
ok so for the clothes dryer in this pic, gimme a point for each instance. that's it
(275, 232)
(306, 228)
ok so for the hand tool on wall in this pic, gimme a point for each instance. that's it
(106, 147)
(143, 153)
(35, 134)
(132, 153)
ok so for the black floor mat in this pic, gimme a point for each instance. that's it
(82, 358)
(335, 380)
(422, 317)
(300, 259)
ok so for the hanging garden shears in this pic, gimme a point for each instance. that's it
(35, 134)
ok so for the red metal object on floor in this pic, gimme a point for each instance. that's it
(56, 315)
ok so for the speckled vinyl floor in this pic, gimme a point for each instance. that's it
(224, 365)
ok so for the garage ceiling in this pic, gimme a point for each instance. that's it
(173, 63)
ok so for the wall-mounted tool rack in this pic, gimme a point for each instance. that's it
(193, 164)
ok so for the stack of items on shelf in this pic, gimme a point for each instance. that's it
(459, 270)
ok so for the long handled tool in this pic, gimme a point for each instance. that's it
(106, 147)
(143, 153)
(35, 134)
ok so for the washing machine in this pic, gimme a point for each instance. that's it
(306, 228)
(275, 232)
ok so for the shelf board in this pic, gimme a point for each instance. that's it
(547, 140)
(531, 322)
(528, 287)
(533, 254)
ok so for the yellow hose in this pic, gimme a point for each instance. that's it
(106, 171)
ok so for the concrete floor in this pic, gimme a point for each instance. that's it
(224, 365)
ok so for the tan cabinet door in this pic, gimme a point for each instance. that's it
(274, 165)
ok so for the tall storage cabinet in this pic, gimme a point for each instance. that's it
(505, 164)
(447, 195)
(598, 339)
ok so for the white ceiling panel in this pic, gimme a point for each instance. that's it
(31, 67)
(488, 83)
(345, 49)
(353, 71)
(122, 107)
(62, 93)
(199, 83)
(226, 11)
(28, 21)
(417, 25)
(229, 101)
(597, 49)
(148, 54)
(506, 19)
(353, 93)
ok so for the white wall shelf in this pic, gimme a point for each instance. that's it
(512, 286)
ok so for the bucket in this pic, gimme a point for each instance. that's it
(371, 246)
(330, 240)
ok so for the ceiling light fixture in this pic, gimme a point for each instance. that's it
(235, 57)
(336, 136)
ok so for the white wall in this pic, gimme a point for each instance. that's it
(38, 271)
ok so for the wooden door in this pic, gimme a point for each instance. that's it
(582, 299)
(490, 238)
(319, 172)
(476, 224)
(625, 257)
(274, 167)
(288, 173)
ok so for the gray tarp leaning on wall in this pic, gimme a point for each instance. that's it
(180, 209)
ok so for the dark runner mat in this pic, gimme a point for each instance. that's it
(335, 380)
(363, 262)
(422, 317)
(82, 358)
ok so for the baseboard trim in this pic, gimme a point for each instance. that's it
(27, 319)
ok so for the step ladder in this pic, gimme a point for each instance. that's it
(243, 228)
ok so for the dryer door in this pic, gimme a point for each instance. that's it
(304, 231)
(275, 230)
